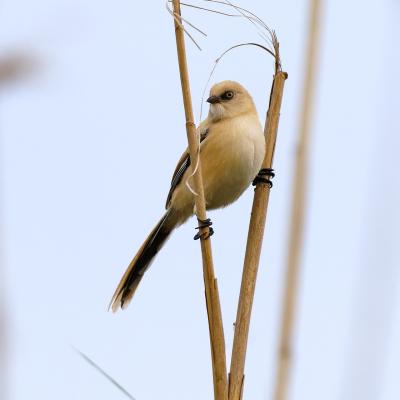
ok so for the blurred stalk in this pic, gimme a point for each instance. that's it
(298, 207)
(217, 340)
(13, 68)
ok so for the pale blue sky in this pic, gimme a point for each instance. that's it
(88, 147)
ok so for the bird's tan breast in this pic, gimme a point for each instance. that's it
(231, 157)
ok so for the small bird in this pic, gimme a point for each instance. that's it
(232, 148)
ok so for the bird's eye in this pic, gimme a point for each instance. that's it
(228, 95)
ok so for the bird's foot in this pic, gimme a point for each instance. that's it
(264, 177)
(206, 223)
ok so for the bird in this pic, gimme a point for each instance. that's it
(232, 148)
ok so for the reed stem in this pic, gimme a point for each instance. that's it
(217, 341)
(254, 244)
(298, 206)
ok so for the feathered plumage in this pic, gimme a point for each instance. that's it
(231, 151)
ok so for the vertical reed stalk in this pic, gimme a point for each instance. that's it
(11, 69)
(254, 244)
(297, 210)
(217, 340)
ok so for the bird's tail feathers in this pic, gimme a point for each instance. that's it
(141, 262)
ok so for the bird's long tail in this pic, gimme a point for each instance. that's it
(141, 262)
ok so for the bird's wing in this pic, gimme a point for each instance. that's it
(182, 166)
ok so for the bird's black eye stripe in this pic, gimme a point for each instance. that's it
(228, 95)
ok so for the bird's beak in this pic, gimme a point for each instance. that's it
(214, 99)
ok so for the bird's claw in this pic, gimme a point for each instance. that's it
(206, 223)
(260, 178)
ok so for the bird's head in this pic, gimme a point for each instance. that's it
(229, 99)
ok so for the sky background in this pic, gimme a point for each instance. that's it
(88, 144)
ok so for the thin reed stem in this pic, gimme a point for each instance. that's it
(297, 211)
(105, 374)
(217, 340)
(254, 244)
